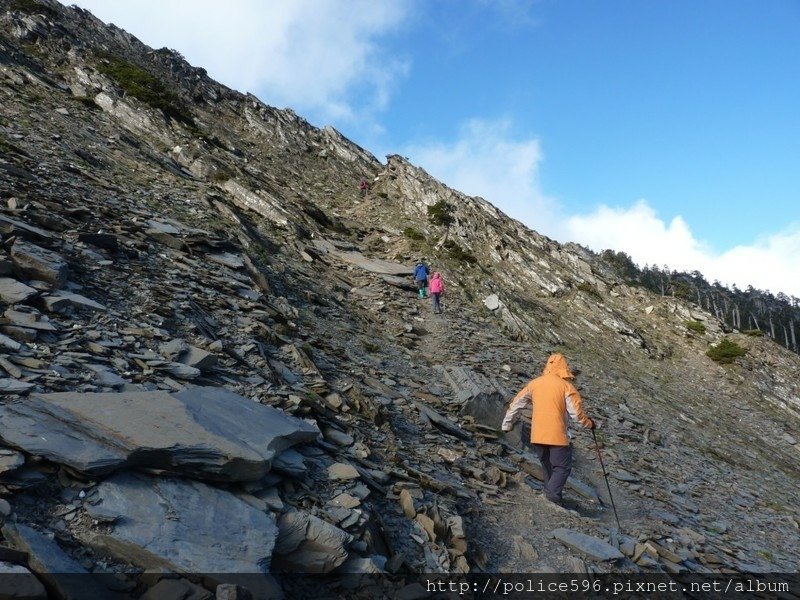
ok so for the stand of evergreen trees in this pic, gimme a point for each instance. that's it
(751, 311)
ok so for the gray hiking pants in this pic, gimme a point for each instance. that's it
(556, 466)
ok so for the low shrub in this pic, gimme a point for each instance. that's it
(221, 176)
(457, 253)
(413, 234)
(726, 351)
(695, 326)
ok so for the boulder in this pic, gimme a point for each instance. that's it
(13, 291)
(590, 546)
(307, 544)
(68, 579)
(34, 262)
(209, 433)
(492, 302)
(197, 358)
(478, 395)
(180, 525)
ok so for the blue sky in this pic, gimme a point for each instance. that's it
(666, 129)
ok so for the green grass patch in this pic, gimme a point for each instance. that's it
(457, 253)
(726, 352)
(695, 327)
(413, 234)
(753, 332)
(221, 176)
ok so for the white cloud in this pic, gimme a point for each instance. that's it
(320, 57)
(771, 262)
(487, 160)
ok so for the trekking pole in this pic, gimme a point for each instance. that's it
(602, 466)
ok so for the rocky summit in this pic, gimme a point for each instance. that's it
(216, 373)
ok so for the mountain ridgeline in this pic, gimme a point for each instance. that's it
(210, 340)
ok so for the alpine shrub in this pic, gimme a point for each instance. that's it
(725, 352)
(695, 326)
(413, 234)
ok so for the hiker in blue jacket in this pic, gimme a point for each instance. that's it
(421, 278)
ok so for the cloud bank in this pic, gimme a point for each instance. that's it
(486, 159)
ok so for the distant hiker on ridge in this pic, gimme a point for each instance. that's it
(363, 187)
(421, 277)
(552, 397)
(436, 288)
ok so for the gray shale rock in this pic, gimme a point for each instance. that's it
(18, 583)
(60, 573)
(13, 291)
(61, 301)
(34, 262)
(591, 546)
(209, 433)
(181, 525)
(478, 395)
(307, 544)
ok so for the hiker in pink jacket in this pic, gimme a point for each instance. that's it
(436, 288)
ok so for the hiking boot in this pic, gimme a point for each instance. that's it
(557, 501)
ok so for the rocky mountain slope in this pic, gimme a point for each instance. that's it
(214, 363)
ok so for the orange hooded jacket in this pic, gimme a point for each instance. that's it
(552, 397)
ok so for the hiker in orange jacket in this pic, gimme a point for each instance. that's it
(552, 398)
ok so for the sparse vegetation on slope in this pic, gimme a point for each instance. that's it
(726, 352)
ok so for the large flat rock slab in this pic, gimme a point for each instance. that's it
(590, 546)
(181, 525)
(202, 432)
(372, 265)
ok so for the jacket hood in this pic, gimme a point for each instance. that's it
(557, 365)
(437, 274)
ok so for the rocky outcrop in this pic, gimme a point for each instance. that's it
(209, 433)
